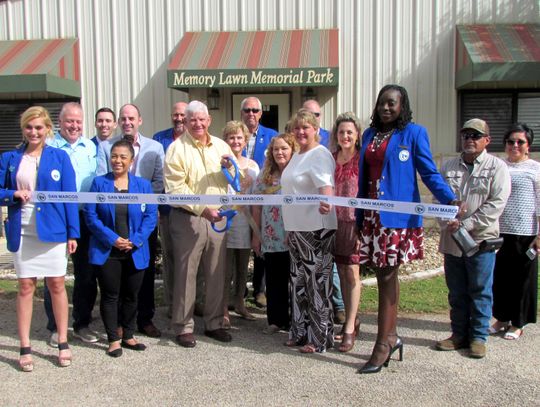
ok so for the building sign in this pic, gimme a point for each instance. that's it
(252, 77)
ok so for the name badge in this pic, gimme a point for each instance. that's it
(404, 155)
(55, 175)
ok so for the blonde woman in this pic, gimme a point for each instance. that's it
(39, 234)
(236, 135)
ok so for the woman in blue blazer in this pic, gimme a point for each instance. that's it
(393, 151)
(119, 247)
(39, 234)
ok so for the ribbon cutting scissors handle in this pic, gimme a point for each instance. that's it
(234, 182)
(229, 214)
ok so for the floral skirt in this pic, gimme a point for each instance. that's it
(388, 247)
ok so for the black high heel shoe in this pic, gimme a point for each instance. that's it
(371, 368)
(397, 346)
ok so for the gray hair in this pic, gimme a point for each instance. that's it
(196, 106)
(251, 97)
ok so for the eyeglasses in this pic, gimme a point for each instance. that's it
(475, 136)
(519, 142)
(247, 110)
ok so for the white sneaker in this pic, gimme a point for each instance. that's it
(53, 340)
(86, 335)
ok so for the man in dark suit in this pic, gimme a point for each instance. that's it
(251, 113)
(148, 163)
(105, 125)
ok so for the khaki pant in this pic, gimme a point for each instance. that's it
(196, 244)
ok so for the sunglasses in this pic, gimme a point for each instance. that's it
(513, 142)
(472, 136)
(248, 110)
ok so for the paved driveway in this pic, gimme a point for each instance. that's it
(257, 370)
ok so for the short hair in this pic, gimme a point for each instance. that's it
(520, 128)
(270, 166)
(232, 127)
(124, 143)
(67, 106)
(303, 116)
(347, 117)
(405, 117)
(37, 112)
(196, 106)
(251, 97)
(135, 106)
(105, 110)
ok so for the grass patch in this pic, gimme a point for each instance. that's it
(420, 296)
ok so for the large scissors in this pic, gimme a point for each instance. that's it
(235, 184)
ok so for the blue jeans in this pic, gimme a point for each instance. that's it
(470, 281)
(337, 299)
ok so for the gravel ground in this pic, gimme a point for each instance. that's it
(256, 369)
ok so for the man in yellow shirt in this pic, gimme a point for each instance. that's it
(193, 167)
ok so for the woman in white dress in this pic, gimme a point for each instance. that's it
(39, 234)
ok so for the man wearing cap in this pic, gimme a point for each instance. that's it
(482, 182)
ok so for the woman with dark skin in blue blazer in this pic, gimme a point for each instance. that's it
(39, 234)
(119, 247)
(394, 150)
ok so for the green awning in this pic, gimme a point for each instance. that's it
(503, 54)
(255, 58)
(50, 66)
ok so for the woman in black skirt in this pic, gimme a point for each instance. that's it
(515, 280)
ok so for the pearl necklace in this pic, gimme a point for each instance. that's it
(379, 139)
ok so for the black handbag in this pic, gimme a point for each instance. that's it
(490, 245)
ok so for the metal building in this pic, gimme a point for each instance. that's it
(457, 58)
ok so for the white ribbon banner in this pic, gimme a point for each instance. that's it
(412, 208)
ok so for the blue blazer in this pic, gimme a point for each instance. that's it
(142, 220)
(324, 136)
(165, 138)
(55, 222)
(150, 160)
(263, 137)
(408, 152)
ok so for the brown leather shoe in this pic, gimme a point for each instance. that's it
(219, 334)
(150, 330)
(186, 340)
(453, 343)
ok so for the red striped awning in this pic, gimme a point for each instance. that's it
(50, 66)
(497, 53)
(255, 58)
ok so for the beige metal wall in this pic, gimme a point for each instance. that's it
(126, 44)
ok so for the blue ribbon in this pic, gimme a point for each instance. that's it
(234, 182)
(229, 214)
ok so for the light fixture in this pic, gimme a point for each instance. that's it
(213, 99)
(308, 94)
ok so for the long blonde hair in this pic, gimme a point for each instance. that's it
(36, 112)
(270, 165)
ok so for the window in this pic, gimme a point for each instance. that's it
(500, 109)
